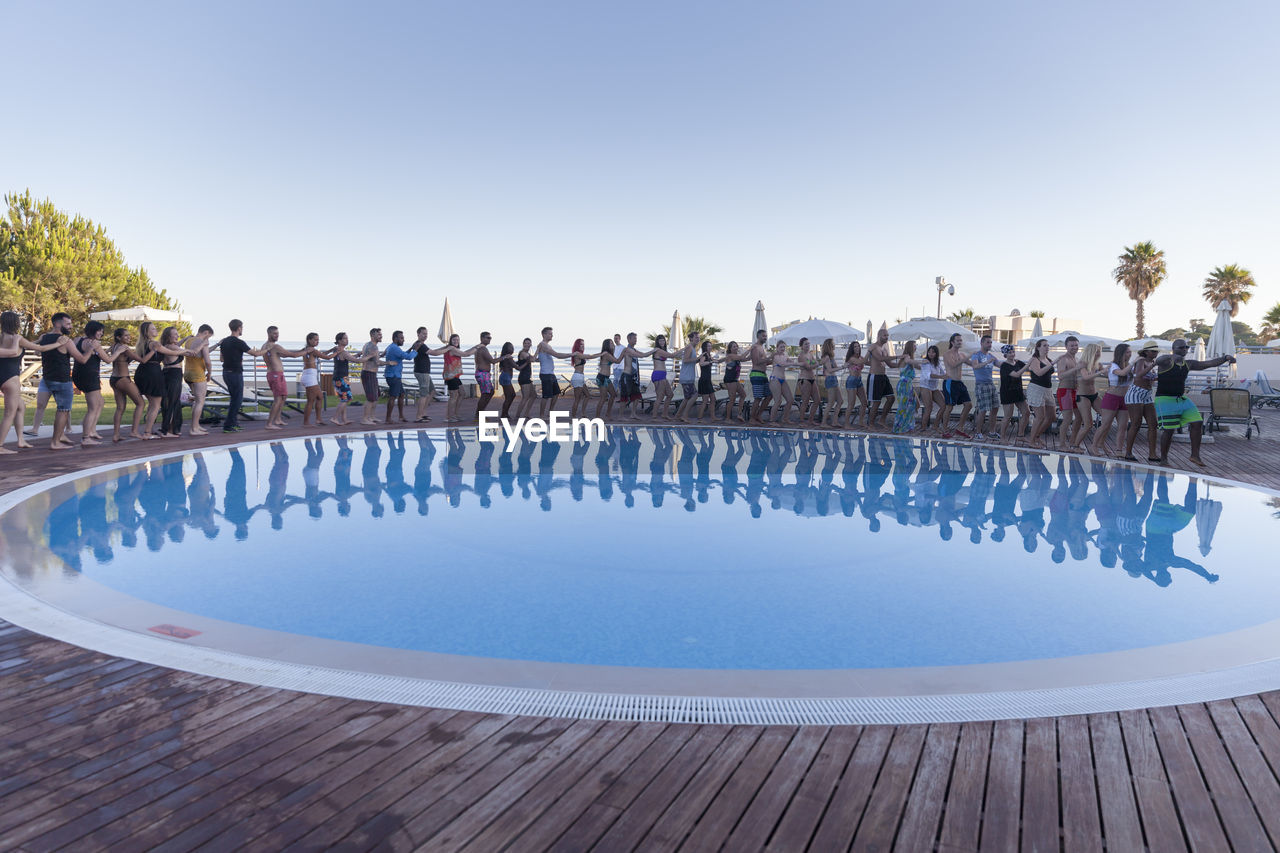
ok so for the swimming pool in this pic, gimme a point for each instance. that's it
(667, 561)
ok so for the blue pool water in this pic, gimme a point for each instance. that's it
(681, 548)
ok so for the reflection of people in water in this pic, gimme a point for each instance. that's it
(371, 484)
(919, 484)
(1165, 520)
(397, 488)
(311, 478)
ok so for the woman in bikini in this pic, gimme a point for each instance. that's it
(604, 379)
(524, 378)
(854, 389)
(342, 361)
(11, 346)
(831, 384)
(86, 376)
(578, 379)
(806, 385)
(1112, 404)
(310, 379)
(778, 383)
(122, 385)
(662, 389)
(506, 377)
(732, 382)
(1086, 393)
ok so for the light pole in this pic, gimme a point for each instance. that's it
(942, 285)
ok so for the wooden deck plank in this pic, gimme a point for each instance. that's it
(103, 763)
(848, 804)
(1160, 822)
(773, 798)
(1081, 821)
(1239, 819)
(800, 820)
(713, 827)
(1194, 804)
(550, 824)
(1002, 815)
(922, 816)
(683, 806)
(1119, 807)
(1263, 727)
(467, 809)
(494, 761)
(962, 818)
(380, 812)
(571, 786)
(628, 820)
(1260, 783)
(1040, 805)
(879, 823)
(261, 786)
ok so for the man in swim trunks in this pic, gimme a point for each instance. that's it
(982, 362)
(878, 359)
(1068, 368)
(760, 394)
(484, 371)
(272, 352)
(629, 378)
(546, 372)
(954, 392)
(395, 357)
(1173, 409)
(369, 377)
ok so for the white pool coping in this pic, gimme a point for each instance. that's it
(1217, 667)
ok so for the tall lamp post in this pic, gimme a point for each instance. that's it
(943, 286)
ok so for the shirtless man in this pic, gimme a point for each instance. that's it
(546, 372)
(954, 392)
(1068, 375)
(272, 352)
(759, 376)
(369, 377)
(878, 359)
(629, 378)
(484, 370)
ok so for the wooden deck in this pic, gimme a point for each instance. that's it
(99, 752)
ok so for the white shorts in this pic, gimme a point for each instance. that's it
(309, 378)
(578, 380)
(1038, 395)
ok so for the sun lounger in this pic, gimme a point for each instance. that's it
(1262, 393)
(1231, 405)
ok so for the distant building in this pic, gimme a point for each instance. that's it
(1014, 326)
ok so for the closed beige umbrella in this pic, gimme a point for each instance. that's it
(446, 324)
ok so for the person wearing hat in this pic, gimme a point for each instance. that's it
(1011, 393)
(1173, 409)
(1140, 401)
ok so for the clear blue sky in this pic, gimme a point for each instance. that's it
(597, 165)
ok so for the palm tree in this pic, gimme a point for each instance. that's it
(1141, 270)
(963, 318)
(1270, 324)
(1036, 315)
(706, 330)
(1231, 283)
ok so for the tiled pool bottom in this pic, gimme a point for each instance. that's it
(1209, 663)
